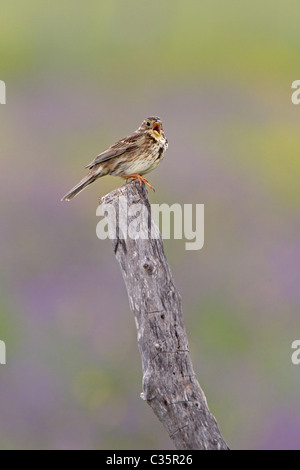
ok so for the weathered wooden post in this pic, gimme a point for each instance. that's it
(170, 385)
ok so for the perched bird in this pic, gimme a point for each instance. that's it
(128, 158)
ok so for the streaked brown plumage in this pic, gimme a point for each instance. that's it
(130, 157)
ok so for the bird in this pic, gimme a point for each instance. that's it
(129, 158)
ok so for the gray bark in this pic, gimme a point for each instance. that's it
(170, 385)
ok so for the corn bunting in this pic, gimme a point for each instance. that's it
(128, 158)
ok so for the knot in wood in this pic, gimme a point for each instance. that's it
(148, 266)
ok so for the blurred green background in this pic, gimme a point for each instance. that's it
(79, 76)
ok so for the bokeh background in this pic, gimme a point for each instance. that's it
(79, 76)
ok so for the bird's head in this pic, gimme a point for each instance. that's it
(153, 126)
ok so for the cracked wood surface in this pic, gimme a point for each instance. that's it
(170, 385)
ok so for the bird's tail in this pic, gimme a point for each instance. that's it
(88, 179)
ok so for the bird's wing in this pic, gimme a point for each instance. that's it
(122, 146)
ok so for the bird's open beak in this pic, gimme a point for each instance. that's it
(157, 127)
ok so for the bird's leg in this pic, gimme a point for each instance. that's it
(140, 178)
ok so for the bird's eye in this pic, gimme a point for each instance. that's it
(148, 124)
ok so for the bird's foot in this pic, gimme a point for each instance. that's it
(140, 178)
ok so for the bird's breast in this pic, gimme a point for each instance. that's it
(142, 159)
